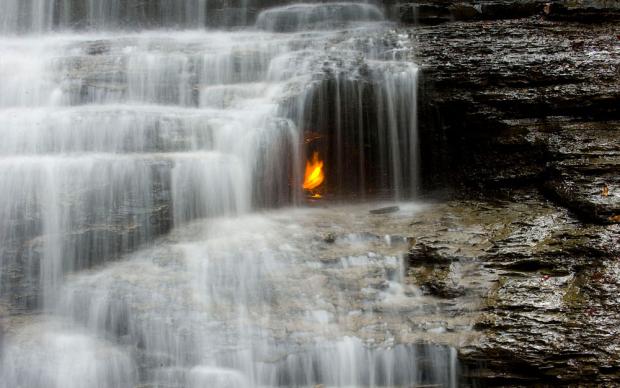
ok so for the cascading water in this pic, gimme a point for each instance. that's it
(44, 15)
(365, 125)
(113, 136)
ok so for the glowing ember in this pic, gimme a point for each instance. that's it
(314, 174)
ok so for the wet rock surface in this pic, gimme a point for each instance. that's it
(525, 292)
(530, 102)
(525, 286)
(550, 314)
(525, 102)
(432, 12)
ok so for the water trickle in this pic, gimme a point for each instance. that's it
(366, 126)
(112, 138)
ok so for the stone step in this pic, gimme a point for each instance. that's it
(313, 16)
(137, 128)
(151, 67)
(66, 213)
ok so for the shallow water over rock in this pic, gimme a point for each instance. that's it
(111, 139)
(117, 136)
(256, 300)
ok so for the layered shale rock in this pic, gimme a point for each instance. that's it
(526, 101)
(546, 287)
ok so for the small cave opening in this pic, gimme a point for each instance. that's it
(365, 131)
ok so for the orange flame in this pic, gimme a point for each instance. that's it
(314, 173)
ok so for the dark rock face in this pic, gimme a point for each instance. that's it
(585, 11)
(529, 102)
(425, 13)
(441, 11)
(526, 101)
(584, 176)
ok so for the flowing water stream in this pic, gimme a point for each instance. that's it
(115, 134)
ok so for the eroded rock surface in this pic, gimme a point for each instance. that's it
(551, 313)
(525, 291)
(526, 101)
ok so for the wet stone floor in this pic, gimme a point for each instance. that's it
(450, 293)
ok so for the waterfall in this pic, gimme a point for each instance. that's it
(45, 15)
(366, 126)
(124, 121)
(104, 151)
